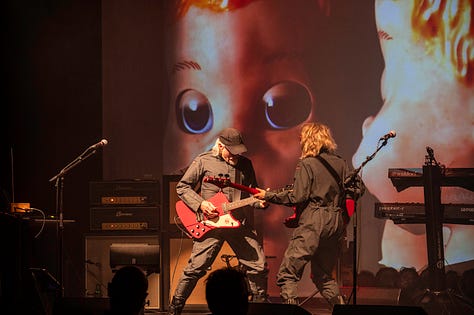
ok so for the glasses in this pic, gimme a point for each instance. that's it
(230, 153)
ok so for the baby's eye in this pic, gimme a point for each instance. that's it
(287, 104)
(194, 112)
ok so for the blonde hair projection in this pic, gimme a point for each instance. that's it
(447, 29)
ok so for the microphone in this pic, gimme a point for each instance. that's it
(99, 144)
(430, 158)
(84, 155)
(430, 152)
(389, 135)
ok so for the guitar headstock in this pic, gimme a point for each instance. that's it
(220, 181)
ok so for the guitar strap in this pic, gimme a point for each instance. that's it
(332, 171)
(236, 194)
(346, 214)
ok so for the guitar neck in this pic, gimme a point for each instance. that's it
(225, 182)
(238, 204)
(250, 190)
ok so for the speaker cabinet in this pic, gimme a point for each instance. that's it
(99, 272)
(276, 309)
(377, 309)
(170, 197)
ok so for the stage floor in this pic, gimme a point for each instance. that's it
(369, 301)
(314, 306)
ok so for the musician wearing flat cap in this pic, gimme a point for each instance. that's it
(225, 158)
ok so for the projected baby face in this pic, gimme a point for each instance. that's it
(248, 70)
(428, 102)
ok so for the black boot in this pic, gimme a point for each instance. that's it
(338, 299)
(176, 307)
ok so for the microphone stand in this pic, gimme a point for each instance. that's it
(351, 181)
(59, 185)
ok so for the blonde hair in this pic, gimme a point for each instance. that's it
(447, 29)
(315, 138)
(215, 149)
(182, 6)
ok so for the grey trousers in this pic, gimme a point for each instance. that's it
(317, 240)
(246, 247)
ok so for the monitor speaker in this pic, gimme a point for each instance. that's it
(276, 309)
(47, 288)
(377, 309)
(125, 249)
(81, 306)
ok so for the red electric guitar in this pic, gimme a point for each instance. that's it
(224, 219)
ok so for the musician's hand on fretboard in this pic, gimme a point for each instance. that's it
(260, 194)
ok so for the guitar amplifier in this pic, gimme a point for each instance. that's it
(120, 218)
(124, 192)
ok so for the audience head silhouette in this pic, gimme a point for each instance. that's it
(227, 292)
(128, 291)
